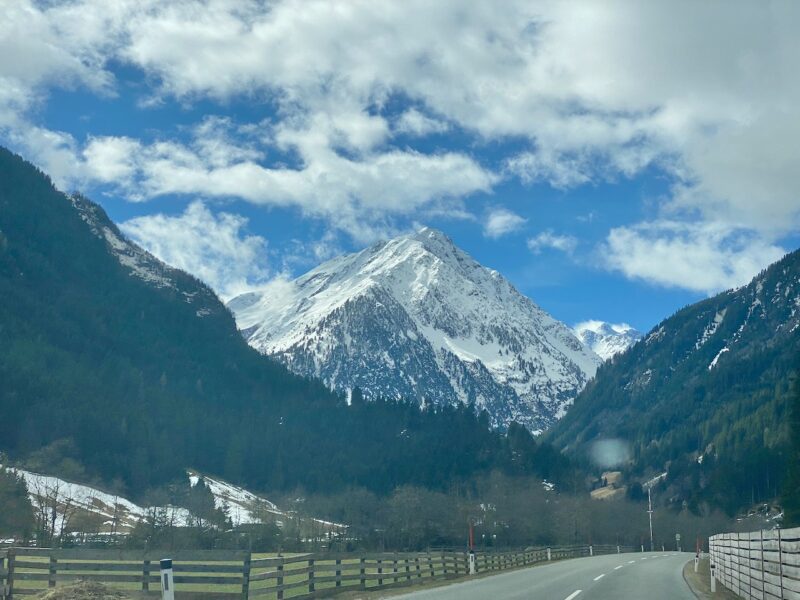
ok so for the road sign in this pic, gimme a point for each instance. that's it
(677, 537)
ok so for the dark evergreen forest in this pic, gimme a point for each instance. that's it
(714, 415)
(105, 377)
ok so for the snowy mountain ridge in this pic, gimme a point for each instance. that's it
(607, 339)
(416, 317)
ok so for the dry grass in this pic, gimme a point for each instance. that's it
(85, 590)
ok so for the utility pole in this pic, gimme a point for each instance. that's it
(650, 514)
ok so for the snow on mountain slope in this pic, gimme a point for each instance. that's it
(416, 317)
(120, 515)
(607, 339)
(140, 263)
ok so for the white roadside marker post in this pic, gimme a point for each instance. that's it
(167, 580)
(591, 550)
(549, 555)
(713, 579)
(696, 560)
(472, 565)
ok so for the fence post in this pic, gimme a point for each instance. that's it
(780, 559)
(416, 564)
(10, 579)
(279, 579)
(761, 536)
(380, 572)
(394, 567)
(430, 564)
(444, 564)
(408, 570)
(51, 577)
(146, 576)
(246, 577)
(363, 573)
(2, 579)
(338, 572)
(310, 575)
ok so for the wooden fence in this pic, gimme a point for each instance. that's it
(230, 574)
(762, 564)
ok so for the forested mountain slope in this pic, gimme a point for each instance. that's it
(120, 368)
(705, 393)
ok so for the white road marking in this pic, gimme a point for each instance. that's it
(645, 558)
(630, 562)
(599, 577)
(573, 595)
(617, 567)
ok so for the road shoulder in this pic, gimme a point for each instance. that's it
(700, 582)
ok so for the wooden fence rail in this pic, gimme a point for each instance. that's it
(225, 574)
(762, 565)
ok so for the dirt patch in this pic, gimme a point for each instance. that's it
(85, 590)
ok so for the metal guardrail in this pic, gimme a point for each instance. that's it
(762, 565)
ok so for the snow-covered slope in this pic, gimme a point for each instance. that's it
(607, 339)
(416, 317)
(143, 265)
(120, 515)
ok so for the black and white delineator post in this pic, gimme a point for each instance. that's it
(167, 580)
(713, 578)
(473, 567)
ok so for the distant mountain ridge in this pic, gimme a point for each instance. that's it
(607, 339)
(705, 394)
(417, 318)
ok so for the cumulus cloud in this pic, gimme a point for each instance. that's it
(584, 91)
(501, 221)
(550, 240)
(702, 257)
(213, 247)
(414, 122)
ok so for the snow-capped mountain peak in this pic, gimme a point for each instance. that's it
(417, 317)
(607, 339)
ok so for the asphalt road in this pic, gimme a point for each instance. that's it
(636, 576)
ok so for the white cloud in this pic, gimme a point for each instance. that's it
(549, 239)
(587, 92)
(703, 257)
(211, 247)
(353, 195)
(414, 122)
(501, 221)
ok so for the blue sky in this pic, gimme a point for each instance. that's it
(615, 161)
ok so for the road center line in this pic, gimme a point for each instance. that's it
(617, 567)
(599, 577)
(573, 595)
(630, 562)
